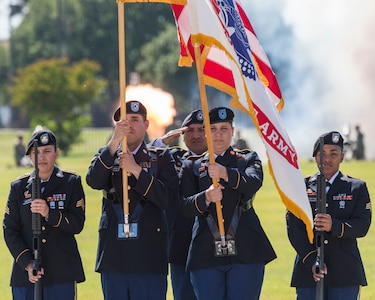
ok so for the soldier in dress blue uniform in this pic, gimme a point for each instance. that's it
(235, 274)
(62, 210)
(180, 226)
(347, 217)
(134, 267)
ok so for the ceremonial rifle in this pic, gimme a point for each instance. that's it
(320, 208)
(36, 225)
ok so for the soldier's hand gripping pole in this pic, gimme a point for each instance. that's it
(320, 208)
(206, 120)
(36, 223)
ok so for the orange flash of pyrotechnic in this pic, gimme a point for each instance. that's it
(159, 104)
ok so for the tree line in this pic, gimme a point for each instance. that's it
(61, 65)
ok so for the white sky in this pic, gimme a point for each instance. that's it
(4, 13)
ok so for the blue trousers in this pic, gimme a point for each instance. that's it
(331, 293)
(229, 282)
(61, 291)
(118, 285)
(182, 288)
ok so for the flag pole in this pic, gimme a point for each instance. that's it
(122, 83)
(207, 128)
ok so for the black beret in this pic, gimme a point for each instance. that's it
(195, 117)
(330, 138)
(221, 114)
(132, 107)
(44, 136)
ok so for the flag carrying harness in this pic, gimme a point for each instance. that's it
(242, 206)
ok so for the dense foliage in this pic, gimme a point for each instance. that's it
(57, 95)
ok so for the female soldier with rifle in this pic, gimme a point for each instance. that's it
(39, 229)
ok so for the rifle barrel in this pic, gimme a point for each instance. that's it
(320, 208)
(36, 225)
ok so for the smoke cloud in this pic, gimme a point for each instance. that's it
(323, 55)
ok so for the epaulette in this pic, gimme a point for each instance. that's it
(346, 177)
(178, 153)
(70, 172)
(241, 154)
(176, 149)
(311, 178)
(23, 176)
(155, 149)
(242, 151)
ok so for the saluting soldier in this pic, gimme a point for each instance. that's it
(347, 217)
(179, 225)
(134, 265)
(62, 210)
(238, 272)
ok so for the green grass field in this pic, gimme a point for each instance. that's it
(267, 204)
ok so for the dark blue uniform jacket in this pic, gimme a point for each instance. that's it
(155, 190)
(180, 226)
(60, 257)
(245, 176)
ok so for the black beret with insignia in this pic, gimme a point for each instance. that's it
(132, 107)
(44, 136)
(330, 138)
(221, 114)
(195, 117)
